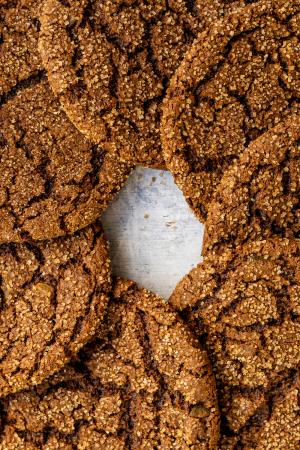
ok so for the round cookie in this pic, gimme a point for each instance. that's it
(110, 63)
(52, 180)
(260, 195)
(246, 306)
(52, 298)
(240, 78)
(145, 383)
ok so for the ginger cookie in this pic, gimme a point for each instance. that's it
(19, 59)
(240, 78)
(246, 306)
(144, 383)
(52, 297)
(110, 63)
(52, 180)
(260, 195)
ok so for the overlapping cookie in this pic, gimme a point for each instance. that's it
(52, 180)
(239, 79)
(260, 195)
(246, 305)
(110, 62)
(144, 383)
(52, 299)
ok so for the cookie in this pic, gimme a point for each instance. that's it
(240, 78)
(52, 297)
(246, 306)
(110, 63)
(144, 383)
(19, 59)
(53, 181)
(259, 196)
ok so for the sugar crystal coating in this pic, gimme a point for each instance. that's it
(52, 299)
(144, 383)
(19, 58)
(246, 306)
(110, 63)
(239, 79)
(259, 196)
(53, 181)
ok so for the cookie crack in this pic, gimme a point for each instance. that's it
(264, 411)
(9, 4)
(151, 367)
(123, 6)
(191, 7)
(31, 81)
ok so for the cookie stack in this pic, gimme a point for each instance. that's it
(209, 90)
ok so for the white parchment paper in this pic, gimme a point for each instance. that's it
(155, 238)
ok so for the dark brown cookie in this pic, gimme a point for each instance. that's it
(52, 299)
(52, 180)
(240, 78)
(144, 384)
(246, 306)
(110, 63)
(260, 195)
(19, 59)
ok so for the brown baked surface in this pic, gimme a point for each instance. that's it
(19, 58)
(52, 180)
(260, 195)
(246, 306)
(240, 78)
(144, 383)
(52, 299)
(282, 430)
(110, 63)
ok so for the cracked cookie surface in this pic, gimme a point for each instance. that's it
(259, 196)
(144, 383)
(246, 306)
(52, 180)
(240, 78)
(110, 63)
(52, 299)
(19, 27)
